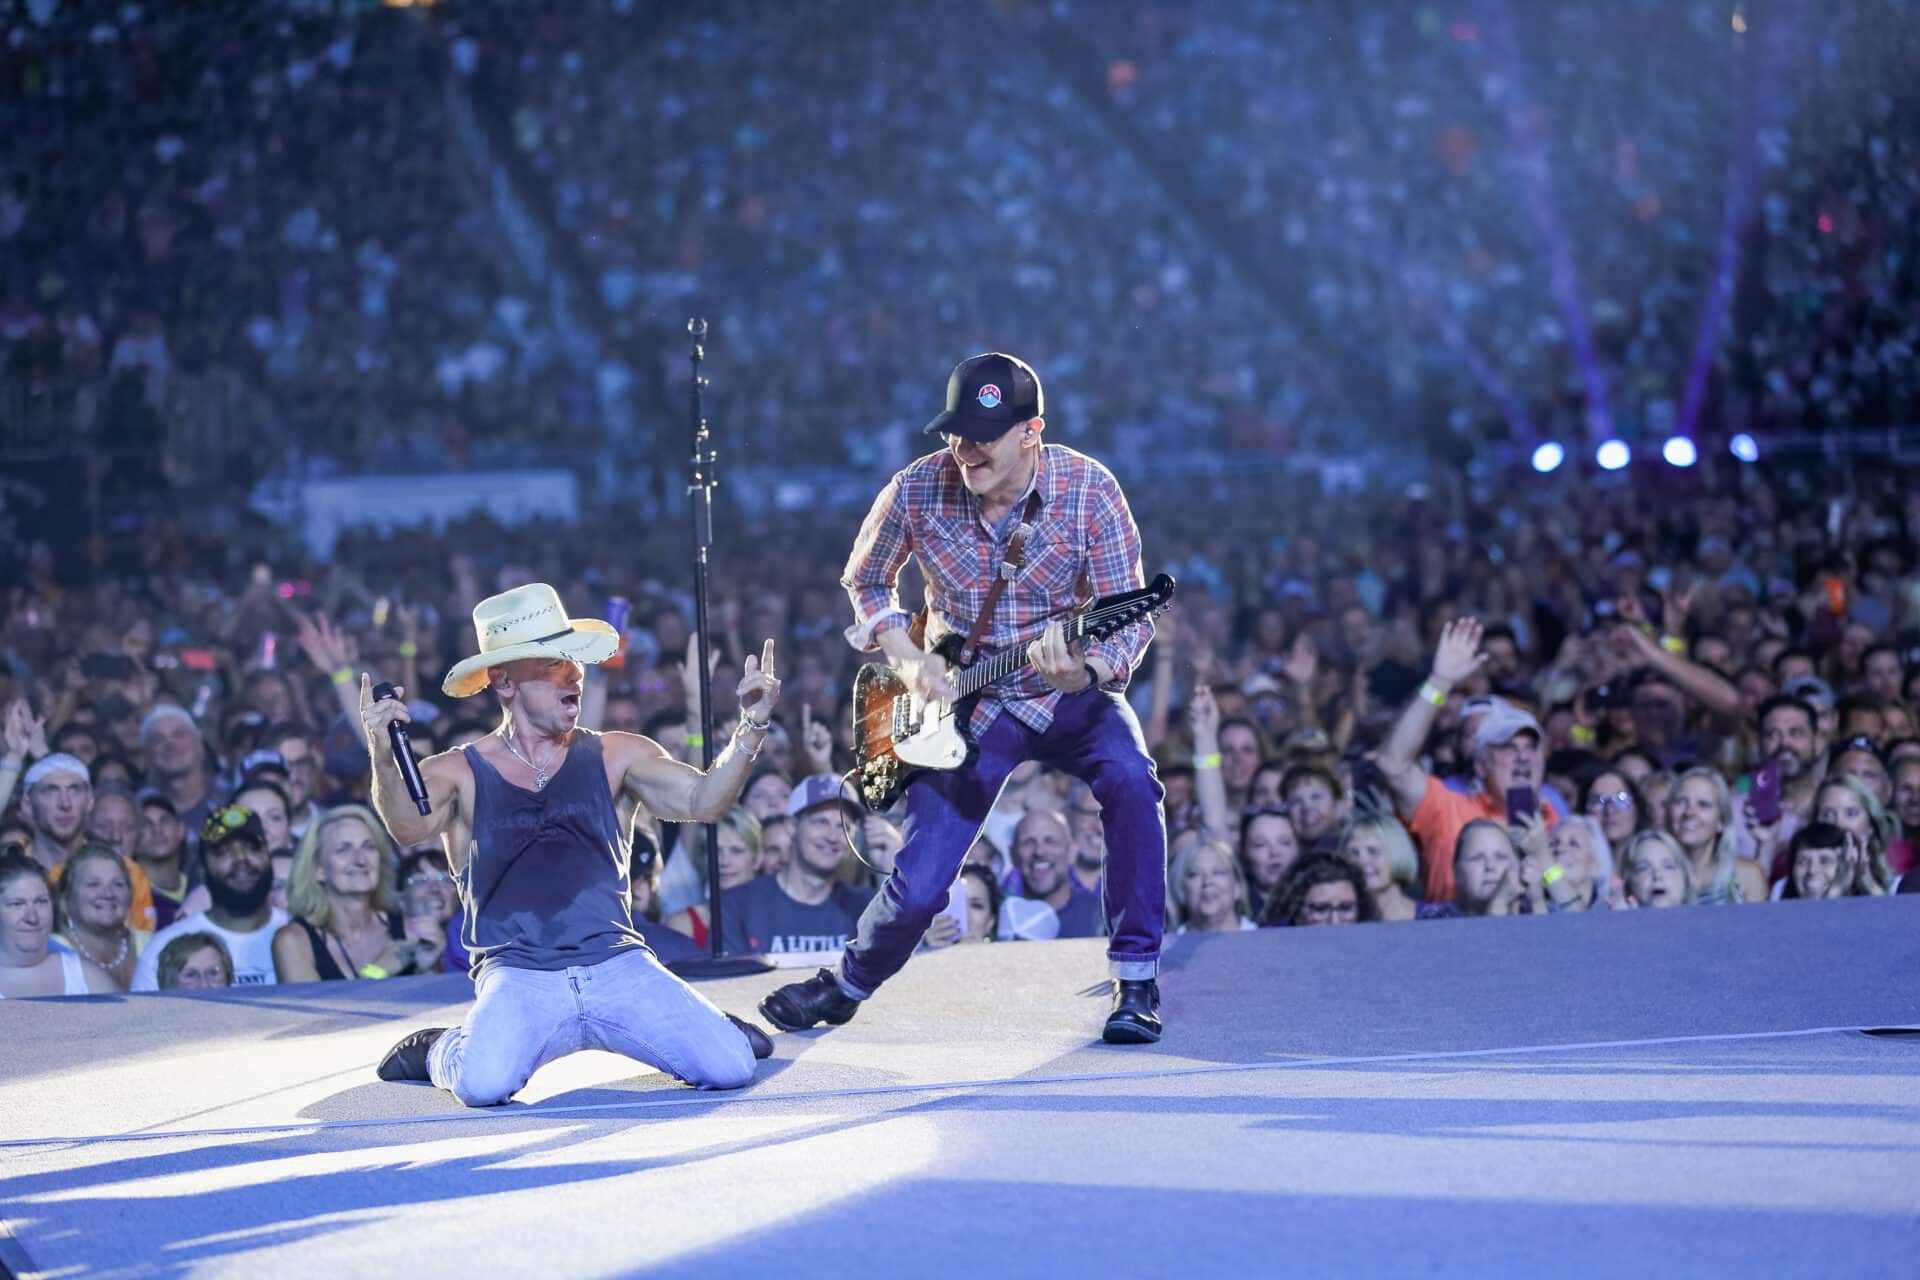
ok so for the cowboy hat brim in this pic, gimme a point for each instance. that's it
(587, 640)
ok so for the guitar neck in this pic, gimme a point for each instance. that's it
(1001, 665)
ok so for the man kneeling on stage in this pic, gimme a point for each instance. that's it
(528, 819)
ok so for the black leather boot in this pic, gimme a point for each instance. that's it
(799, 1005)
(1136, 1013)
(762, 1046)
(408, 1059)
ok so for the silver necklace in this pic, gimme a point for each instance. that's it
(539, 771)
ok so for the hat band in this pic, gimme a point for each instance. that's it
(558, 635)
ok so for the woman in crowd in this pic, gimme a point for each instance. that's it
(1380, 847)
(1580, 848)
(429, 900)
(269, 801)
(1268, 846)
(1320, 888)
(345, 923)
(983, 903)
(1700, 817)
(1611, 799)
(1209, 895)
(28, 964)
(195, 962)
(738, 838)
(95, 891)
(1849, 805)
(776, 844)
(766, 794)
(1823, 861)
(1657, 871)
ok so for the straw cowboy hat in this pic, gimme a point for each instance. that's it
(527, 622)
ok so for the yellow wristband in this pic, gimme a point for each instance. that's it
(1673, 644)
(408, 648)
(1580, 733)
(372, 971)
(696, 739)
(343, 676)
(1553, 875)
(1209, 761)
(1432, 694)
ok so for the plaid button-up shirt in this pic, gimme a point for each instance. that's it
(927, 512)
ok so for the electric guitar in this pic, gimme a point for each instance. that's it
(898, 734)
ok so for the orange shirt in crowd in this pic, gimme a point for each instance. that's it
(1436, 826)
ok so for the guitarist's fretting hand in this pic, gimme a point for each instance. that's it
(1058, 663)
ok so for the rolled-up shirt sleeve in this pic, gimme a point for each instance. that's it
(872, 575)
(1114, 566)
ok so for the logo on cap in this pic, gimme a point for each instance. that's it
(989, 396)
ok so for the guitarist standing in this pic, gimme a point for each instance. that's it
(998, 503)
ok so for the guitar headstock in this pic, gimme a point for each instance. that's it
(1114, 613)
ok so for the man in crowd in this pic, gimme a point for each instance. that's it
(59, 801)
(1089, 836)
(177, 761)
(160, 850)
(1507, 762)
(293, 743)
(805, 906)
(1043, 851)
(233, 852)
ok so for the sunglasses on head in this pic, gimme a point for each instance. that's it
(1610, 800)
(1859, 742)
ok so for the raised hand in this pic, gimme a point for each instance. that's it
(1303, 661)
(376, 716)
(22, 730)
(1203, 717)
(816, 740)
(327, 647)
(759, 688)
(1458, 654)
(1675, 605)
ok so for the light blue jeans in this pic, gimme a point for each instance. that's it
(523, 1019)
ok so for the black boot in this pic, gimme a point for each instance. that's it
(1136, 1013)
(762, 1047)
(798, 1005)
(408, 1059)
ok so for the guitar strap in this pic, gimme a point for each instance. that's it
(1015, 557)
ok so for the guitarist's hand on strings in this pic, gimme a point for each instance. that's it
(1058, 662)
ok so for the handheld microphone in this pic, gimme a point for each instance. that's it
(403, 752)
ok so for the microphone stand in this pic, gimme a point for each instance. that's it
(702, 475)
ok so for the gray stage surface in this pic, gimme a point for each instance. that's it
(1646, 1093)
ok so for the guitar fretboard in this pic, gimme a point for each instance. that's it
(1099, 623)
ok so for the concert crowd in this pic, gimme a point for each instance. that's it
(1648, 704)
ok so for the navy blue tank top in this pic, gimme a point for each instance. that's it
(546, 880)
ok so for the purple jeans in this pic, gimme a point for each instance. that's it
(1096, 738)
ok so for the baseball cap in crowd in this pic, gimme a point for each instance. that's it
(1811, 689)
(232, 822)
(1028, 920)
(986, 395)
(264, 758)
(343, 752)
(817, 789)
(1502, 723)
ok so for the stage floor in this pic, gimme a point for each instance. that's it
(1654, 1092)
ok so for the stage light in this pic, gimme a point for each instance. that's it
(1613, 455)
(1745, 447)
(1679, 452)
(1547, 457)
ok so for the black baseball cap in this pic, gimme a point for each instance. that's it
(986, 395)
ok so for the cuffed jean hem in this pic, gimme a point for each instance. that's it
(847, 988)
(1133, 968)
